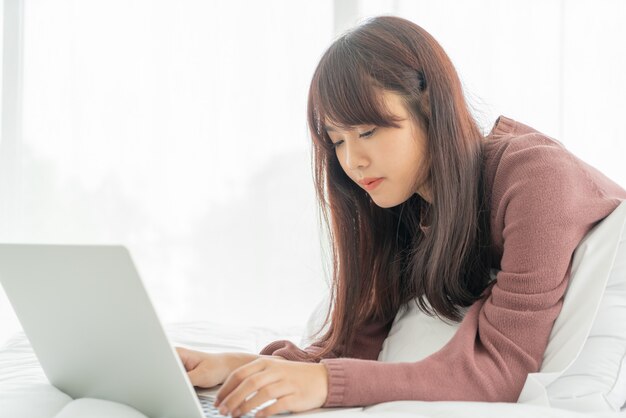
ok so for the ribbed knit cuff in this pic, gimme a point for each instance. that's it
(336, 382)
(269, 349)
(285, 349)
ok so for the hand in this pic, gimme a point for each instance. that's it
(205, 370)
(296, 386)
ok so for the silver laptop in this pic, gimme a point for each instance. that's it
(95, 331)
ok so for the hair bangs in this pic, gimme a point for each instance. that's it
(344, 93)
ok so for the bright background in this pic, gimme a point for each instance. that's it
(177, 128)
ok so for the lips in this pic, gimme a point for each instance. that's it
(367, 180)
(372, 184)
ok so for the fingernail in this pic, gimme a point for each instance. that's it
(217, 403)
(223, 410)
(237, 412)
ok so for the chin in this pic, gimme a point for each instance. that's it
(387, 203)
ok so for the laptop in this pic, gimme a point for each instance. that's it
(95, 331)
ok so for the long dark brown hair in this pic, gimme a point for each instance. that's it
(381, 258)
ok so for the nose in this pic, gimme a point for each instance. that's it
(355, 157)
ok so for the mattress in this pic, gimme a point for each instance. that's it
(26, 393)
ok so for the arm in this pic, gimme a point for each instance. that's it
(545, 201)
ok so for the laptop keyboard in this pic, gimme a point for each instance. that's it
(206, 401)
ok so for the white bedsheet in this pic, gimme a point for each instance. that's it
(26, 393)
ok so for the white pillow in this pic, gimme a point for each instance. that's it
(414, 335)
(589, 376)
(577, 372)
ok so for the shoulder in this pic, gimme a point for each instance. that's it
(533, 166)
(514, 146)
(537, 186)
(510, 138)
(515, 155)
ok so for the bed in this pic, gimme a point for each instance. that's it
(26, 393)
(583, 369)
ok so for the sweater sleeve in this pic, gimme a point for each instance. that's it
(367, 345)
(545, 201)
(289, 351)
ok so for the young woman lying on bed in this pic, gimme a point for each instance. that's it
(421, 206)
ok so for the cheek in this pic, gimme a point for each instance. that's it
(409, 162)
(404, 154)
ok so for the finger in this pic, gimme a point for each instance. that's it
(274, 390)
(237, 376)
(278, 407)
(248, 389)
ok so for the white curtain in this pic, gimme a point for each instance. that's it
(178, 129)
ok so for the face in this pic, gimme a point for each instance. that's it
(397, 155)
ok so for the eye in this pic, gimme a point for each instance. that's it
(367, 134)
(363, 135)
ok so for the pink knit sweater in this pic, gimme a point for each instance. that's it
(543, 201)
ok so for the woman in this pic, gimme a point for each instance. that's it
(449, 206)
